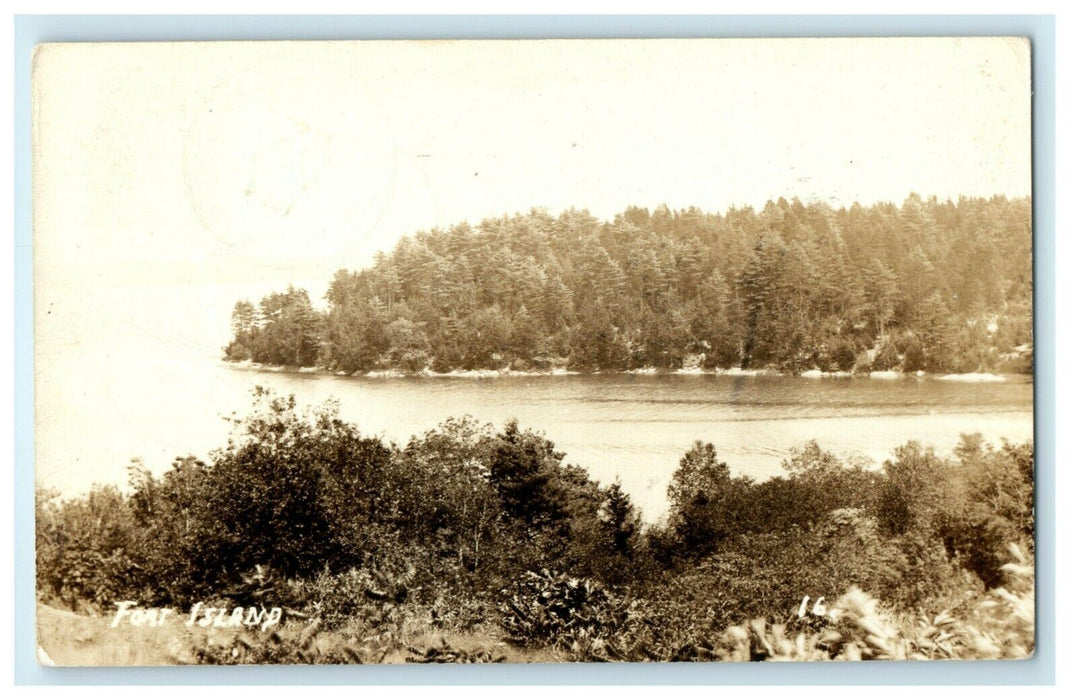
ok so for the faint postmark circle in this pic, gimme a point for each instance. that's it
(288, 167)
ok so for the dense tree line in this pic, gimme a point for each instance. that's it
(930, 285)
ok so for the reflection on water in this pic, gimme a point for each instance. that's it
(632, 427)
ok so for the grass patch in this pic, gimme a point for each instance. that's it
(72, 639)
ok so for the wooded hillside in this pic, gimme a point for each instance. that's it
(930, 285)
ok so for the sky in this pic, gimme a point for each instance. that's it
(237, 161)
(234, 168)
(171, 180)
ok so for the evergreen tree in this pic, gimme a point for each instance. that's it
(795, 286)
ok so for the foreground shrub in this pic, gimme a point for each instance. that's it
(995, 507)
(999, 625)
(365, 596)
(857, 626)
(974, 505)
(460, 530)
(547, 608)
(285, 494)
(85, 549)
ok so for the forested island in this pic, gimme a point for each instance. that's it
(926, 286)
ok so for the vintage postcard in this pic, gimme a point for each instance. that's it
(533, 351)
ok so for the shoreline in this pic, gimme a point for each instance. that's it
(887, 375)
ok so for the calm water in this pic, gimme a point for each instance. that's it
(628, 426)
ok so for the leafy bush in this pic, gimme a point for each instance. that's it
(84, 548)
(914, 491)
(367, 595)
(886, 356)
(841, 355)
(289, 494)
(555, 609)
(995, 507)
(856, 627)
(975, 505)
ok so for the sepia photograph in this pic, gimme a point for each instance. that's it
(533, 351)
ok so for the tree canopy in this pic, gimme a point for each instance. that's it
(930, 285)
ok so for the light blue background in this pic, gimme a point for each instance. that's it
(31, 30)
